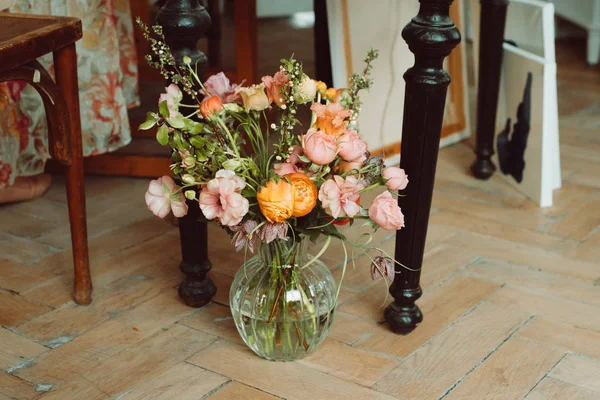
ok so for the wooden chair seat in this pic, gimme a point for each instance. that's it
(24, 38)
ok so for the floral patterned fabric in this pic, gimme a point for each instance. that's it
(107, 70)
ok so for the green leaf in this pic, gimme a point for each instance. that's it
(193, 127)
(147, 125)
(197, 141)
(176, 123)
(163, 109)
(162, 135)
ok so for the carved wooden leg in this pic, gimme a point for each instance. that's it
(322, 49)
(491, 37)
(65, 64)
(431, 36)
(184, 22)
(197, 289)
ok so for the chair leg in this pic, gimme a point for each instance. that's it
(65, 63)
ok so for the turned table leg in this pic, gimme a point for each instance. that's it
(431, 36)
(184, 22)
(65, 66)
(491, 37)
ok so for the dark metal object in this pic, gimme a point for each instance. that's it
(184, 22)
(491, 37)
(431, 36)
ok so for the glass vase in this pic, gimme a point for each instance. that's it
(283, 300)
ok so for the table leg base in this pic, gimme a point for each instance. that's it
(197, 289)
(483, 169)
(403, 315)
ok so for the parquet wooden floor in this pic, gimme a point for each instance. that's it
(511, 303)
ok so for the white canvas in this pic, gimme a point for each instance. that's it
(530, 24)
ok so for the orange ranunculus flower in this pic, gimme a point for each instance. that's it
(211, 105)
(305, 193)
(276, 201)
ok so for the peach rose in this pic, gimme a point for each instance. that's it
(396, 178)
(276, 201)
(305, 193)
(330, 118)
(254, 97)
(275, 84)
(386, 213)
(319, 147)
(351, 147)
(211, 105)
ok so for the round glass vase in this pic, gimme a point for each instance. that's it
(283, 301)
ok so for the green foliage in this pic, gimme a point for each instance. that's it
(162, 135)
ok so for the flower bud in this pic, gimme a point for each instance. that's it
(189, 179)
(190, 194)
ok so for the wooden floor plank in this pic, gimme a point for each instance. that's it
(580, 371)
(553, 389)
(289, 380)
(110, 338)
(436, 366)
(510, 373)
(441, 306)
(181, 382)
(552, 308)
(15, 349)
(585, 291)
(16, 389)
(521, 254)
(236, 390)
(119, 375)
(16, 309)
(561, 335)
(349, 363)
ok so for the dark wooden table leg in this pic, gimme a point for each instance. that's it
(65, 66)
(323, 70)
(184, 22)
(431, 36)
(491, 37)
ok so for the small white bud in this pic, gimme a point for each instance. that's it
(278, 158)
(190, 194)
(291, 98)
(273, 126)
(283, 106)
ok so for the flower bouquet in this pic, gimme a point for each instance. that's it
(274, 186)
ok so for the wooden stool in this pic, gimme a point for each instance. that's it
(24, 38)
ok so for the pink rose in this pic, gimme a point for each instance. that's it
(396, 178)
(351, 147)
(319, 147)
(384, 211)
(274, 85)
(293, 164)
(173, 97)
(161, 198)
(340, 196)
(221, 198)
(220, 86)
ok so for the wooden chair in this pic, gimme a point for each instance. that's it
(431, 36)
(24, 38)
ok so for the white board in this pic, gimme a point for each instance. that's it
(530, 25)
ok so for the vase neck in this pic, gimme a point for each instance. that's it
(280, 253)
